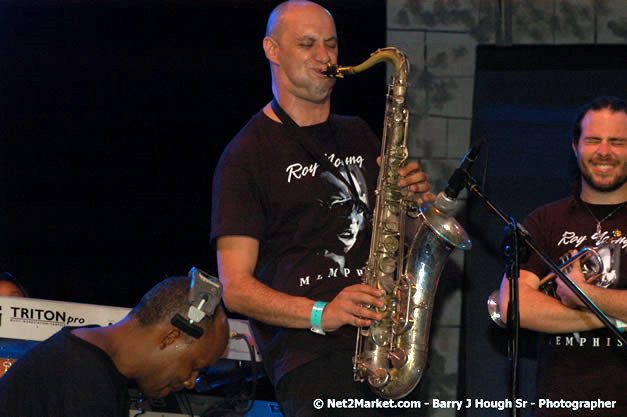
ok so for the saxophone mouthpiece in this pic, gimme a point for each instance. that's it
(332, 71)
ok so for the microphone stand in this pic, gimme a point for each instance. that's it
(513, 312)
(512, 254)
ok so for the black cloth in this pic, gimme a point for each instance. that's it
(64, 376)
(334, 382)
(589, 365)
(314, 240)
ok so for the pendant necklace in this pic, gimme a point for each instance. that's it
(604, 218)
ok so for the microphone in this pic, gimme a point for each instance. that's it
(204, 296)
(446, 201)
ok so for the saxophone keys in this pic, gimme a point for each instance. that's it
(390, 244)
(387, 265)
(412, 208)
(398, 357)
(391, 220)
(378, 377)
(393, 178)
(380, 334)
(387, 283)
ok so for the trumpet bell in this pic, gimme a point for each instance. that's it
(493, 309)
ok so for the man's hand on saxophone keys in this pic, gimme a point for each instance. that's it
(348, 308)
(416, 181)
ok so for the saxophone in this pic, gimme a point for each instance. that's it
(409, 249)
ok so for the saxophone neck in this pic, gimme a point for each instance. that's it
(390, 54)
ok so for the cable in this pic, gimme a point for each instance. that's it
(219, 411)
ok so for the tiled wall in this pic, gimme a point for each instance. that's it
(440, 37)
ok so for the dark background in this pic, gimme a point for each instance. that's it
(113, 115)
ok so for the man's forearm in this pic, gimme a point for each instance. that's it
(543, 313)
(611, 301)
(247, 296)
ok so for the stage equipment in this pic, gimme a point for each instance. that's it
(26, 321)
(409, 249)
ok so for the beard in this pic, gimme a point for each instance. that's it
(618, 182)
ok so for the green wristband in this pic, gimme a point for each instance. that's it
(316, 316)
(620, 325)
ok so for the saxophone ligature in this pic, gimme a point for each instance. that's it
(409, 248)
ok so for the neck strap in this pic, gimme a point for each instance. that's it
(308, 142)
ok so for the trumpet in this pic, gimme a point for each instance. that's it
(591, 267)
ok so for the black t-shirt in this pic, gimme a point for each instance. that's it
(314, 239)
(64, 376)
(587, 365)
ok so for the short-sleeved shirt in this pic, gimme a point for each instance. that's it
(314, 238)
(587, 365)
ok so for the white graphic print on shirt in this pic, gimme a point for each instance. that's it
(340, 204)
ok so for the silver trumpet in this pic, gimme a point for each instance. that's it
(591, 267)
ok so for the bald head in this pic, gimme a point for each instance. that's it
(277, 18)
(301, 42)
